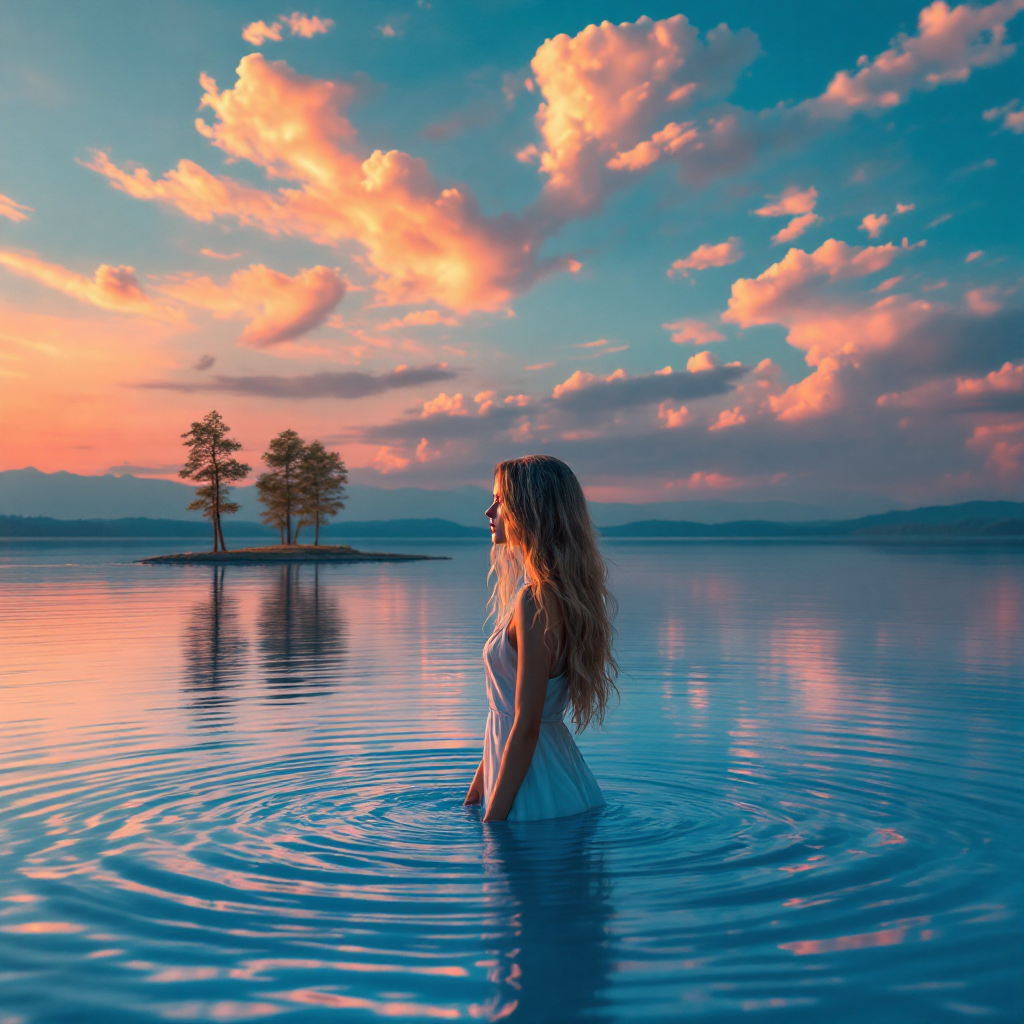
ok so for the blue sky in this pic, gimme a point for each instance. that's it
(866, 366)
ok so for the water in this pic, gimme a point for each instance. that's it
(229, 794)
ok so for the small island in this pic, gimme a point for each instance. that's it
(277, 553)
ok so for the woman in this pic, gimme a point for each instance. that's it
(551, 646)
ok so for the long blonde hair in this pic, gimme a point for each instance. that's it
(551, 545)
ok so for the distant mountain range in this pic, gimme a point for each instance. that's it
(29, 492)
(993, 519)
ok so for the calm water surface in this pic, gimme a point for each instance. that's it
(228, 794)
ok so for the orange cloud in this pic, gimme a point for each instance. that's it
(950, 43)
(420, 318)
(280, 307)
(834, 332)
(423, 242)
(612, 93)
(702, 362)
(444, 405)
(1012, 114)
(12, 210)
(259, 32)
(112, 288)
(873, 224)
(705, 256)
(693, 331)
(796, 204)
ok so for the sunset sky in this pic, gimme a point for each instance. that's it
(699, 249)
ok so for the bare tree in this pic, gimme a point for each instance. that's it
(209, 461)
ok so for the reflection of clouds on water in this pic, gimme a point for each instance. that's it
(214, 649)
(552, 958)
(303, 639)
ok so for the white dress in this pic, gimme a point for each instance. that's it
(558, 782)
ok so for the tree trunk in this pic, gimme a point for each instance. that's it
(213, 523)
(220, 530)
(316, 539)
(297, 529)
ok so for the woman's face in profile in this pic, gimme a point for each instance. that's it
(496, 519)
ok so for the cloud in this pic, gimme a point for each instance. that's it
(302, 25)
(112, 288)
(204, 362)
(873, 224)
(278, 307)
(949, 44)
(423, 242)
(796, 203)
(12, 210)
(348, 385)
(612, 94)
(258, 32)
(1012, 115)
(999, 391)
(213, 254)
(305, 26)
(972, 256)
(706, 255)
(703, 362)
(420, 318)
(695, 331)
(584, 391)
(444, 405)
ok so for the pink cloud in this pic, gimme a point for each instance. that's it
(581, 379)
(485, 402)
(112, 288)
(999, 391)
(905, 207)
(424, 243)
(1012, 115)
(420, 318)
(278, 307)
(696, 332)
(302, 25)
(873, 224)
(983, 301)
(949, 44)
(835, 331)
(612, 95)
(972, 256)
(796, 203)
(705, 255)
(12, 210)
(793, 201)
(214, 255)
(305, 26)
(673, 418)
(258, 32)
(444, 405)
(387, 460)
(1003, 444)
(702, 362)
(729, 418)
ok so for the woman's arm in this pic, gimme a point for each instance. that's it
(534, 666)
(476, 787)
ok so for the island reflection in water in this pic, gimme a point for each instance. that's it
(300, 636)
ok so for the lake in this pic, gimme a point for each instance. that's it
(235, 793)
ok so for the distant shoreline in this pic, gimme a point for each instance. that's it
(283, 553)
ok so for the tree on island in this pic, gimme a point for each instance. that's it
(209, 461)
(279, 489)
(322, 479)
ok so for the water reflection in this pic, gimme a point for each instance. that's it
(553, 958)
(214, 649)
(303, 639)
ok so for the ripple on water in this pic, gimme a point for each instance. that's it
(255, 819)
